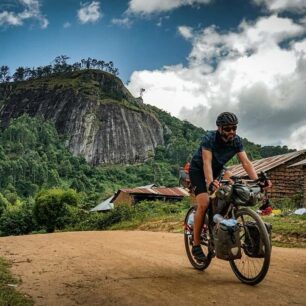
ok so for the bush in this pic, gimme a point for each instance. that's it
(119, 214)
(284, 204)
(4, 203)
(17, 220)
(51, 209)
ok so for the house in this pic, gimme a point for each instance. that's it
(131, 196)
(287, 173)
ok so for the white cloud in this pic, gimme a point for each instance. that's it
(31, 10)
(297, 138)
(67, 25)
(297, 6)
(245, 71)
(145, 7)
(124, 22)
(185, 31)
(89, 12)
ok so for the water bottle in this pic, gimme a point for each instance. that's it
(191, 219)
(229, 222)
(218, 218)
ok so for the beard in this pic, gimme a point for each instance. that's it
(227, 137)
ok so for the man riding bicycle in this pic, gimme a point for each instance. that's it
(216, 149)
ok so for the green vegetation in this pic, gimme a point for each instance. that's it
(36, 168)
(8, 294)
(58, 66)
(34, 161)
(54, 208)
(131, 217)
(288, 231)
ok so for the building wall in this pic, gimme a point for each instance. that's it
(123, 198)
(287, 182)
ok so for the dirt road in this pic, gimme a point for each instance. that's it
(141, 268)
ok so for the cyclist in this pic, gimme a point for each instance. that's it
(216, 149)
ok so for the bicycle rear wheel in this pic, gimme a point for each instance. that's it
(188, 240)
(253, 266)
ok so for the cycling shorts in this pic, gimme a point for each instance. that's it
(197, 181)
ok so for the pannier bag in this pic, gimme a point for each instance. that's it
(227, 241)
(254, 246)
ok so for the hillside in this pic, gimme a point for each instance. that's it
(101, 119)
(103, 122)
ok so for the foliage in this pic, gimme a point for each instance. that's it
(4, 203)
(17, 219)
(52, 208)
(59, 65)
(287, 204)
(34, 158)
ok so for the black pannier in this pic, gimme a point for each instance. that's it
(253, 243)
(227, 242)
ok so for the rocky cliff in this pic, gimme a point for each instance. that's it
(102, 120)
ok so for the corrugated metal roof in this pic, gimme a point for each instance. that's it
(266, 164)
(163, 191)
(300, 163)
(105, 205)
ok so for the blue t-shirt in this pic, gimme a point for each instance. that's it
(221, 151)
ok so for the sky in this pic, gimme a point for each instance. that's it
(194, 58)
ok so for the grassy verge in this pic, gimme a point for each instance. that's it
(8, 294)
(287, 231)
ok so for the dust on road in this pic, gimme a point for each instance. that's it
(141, 268)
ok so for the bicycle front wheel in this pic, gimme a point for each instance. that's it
(253, 266)
(188, 240)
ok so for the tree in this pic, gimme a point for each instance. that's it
(60, 63)
(101, 65)
(19, 74)
(51, 208)
(76, 66)
(4, 203)
(47, 70)
(17, 219)
(4, 74)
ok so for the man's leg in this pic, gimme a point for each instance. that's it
(202, 204)
(202, 200)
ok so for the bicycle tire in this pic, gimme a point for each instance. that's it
(242, 267)
(188, 241)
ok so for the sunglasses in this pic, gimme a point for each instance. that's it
(229, 128)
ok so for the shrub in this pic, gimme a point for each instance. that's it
(3, 203)
(51, 209)
(17, 220)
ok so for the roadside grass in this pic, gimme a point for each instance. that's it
(162, 223)
(8, 294)
(287, 231)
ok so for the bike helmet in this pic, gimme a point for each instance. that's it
(241, 194)
(227, 118)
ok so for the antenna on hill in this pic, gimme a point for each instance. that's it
(142, 90)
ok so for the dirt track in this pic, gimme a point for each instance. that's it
(141, 268)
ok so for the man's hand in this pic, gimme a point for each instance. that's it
(213, 186)
(265, 184)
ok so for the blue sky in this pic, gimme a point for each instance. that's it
(149, 42)
(195, 58)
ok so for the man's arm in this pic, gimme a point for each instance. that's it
(247, 165)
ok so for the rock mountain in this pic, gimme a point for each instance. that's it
(102, 120)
